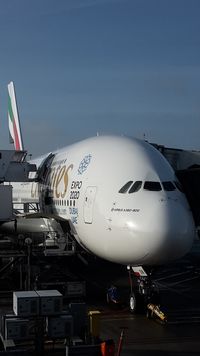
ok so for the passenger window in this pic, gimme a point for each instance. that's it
(152, 186)
(125, 188)
(168, 186)
(135, 187)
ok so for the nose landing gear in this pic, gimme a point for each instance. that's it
(142, 290)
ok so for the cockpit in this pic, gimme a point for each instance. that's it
(153, 186)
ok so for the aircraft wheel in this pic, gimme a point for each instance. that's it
(132, 303)
(149, 314)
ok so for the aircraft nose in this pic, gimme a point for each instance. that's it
(162, 233)
(173, 229)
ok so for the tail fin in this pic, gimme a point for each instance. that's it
(13, 119)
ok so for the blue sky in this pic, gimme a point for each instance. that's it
(128, 67)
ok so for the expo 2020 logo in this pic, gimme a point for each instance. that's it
(84, 164)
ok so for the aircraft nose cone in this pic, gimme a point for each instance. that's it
(175, 231)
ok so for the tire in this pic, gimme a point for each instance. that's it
(149, 315)
(107, 298)
(132, 303)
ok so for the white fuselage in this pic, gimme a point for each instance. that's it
(151, 225)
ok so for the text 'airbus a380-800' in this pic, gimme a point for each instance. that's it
(120, 196)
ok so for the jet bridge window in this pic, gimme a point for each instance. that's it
(135, 187)
(168, 186)
(152, 186)
(125, 187)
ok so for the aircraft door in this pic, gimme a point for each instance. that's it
(89, 204)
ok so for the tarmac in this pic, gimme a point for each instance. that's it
(179, 284)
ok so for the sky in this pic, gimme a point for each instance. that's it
(82, 67)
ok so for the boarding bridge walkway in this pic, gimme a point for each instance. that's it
(187, 167)
(13, 168)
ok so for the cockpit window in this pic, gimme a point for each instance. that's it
(168, 186)
(178, 185)
(152, 186)
(135, 187)
(125, 187)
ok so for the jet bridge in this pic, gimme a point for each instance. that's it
(15, 168)
(44, 231)
(187, 167)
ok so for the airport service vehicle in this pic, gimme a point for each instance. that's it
(120, 196)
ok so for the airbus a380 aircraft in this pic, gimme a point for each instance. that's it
(121, 197)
